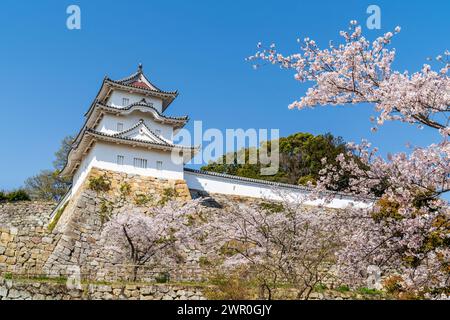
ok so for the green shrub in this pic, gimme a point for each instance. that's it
(163, 277)
(204, 262)
(320, 287)
(272, 207)
(125, 189)
(8, 276)
(18, 195)
(231, 286)
(343, 288)
(3, 196)
(167, 195)
(99, 184)
(105, 211)
(142, 199)
(369, 291)
(303, 181)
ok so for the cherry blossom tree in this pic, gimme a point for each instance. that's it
(156, 238)
(360, 71)
(407, 231)
(276, 245)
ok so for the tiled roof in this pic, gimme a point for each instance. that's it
(154, 136)
(138, 78)
(115, 137)
(140, 84)
(271, 183)
(146, 105)
(165, 93)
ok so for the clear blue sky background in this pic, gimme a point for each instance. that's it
(49, 74)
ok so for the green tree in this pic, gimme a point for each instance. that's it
(301, 157)
(61, 155)
(48, 185)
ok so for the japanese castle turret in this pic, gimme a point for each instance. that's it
(127, 136)
(125, 130)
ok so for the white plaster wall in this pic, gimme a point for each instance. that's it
(104, 156)
(108, 124)
(116, 99)
(212, 184)
(82, 171)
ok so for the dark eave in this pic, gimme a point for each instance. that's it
(115, 138)
(137, 125)
(90, 136)
(182, 119)
(162, 93)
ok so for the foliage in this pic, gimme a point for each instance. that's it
(48, 184)
(61, 155)
(320, 287)
(100, 183)
(142, 199)
(272, 206)
(163, 277)
(105, 211)
(368, 291)
(167, 195)
(8, 276)
(15, 196)
(343, 288)
(301, 157)
(233, 285)
(125, 189)
(408, 231)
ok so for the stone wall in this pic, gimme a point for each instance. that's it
(125, 191)
(80, 224)
(40, 290)
(29, 248)
(25, 243)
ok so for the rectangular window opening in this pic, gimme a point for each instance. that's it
(120, 159)
(140, 163)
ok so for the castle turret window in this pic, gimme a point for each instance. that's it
(119, 126)
(125, 102)
(159, 165)
(140, 163)
(120, 159)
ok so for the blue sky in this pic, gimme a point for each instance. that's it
(50, 75)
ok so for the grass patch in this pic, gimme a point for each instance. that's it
(163, 277)
(272, 207)
(343, 289)
(368, 291)
(42, 278)
(320, 287)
